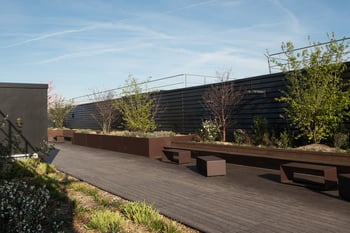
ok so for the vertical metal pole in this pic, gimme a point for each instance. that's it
(185, 80)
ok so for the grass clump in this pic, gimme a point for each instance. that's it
(106, 221)
(141, 213)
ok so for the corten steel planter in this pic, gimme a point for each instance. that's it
(265, 157)
(150, 147)
(53, 134)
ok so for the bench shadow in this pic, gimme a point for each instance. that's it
(192, 168)
(313, 186)
(272, 177)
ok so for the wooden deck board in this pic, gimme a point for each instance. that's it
(246, 200)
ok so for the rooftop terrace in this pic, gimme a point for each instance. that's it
(247, 199)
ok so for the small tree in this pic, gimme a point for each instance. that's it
(221, 99)
(317, 100)
(138, 108)
(58, 111)
(106, 110)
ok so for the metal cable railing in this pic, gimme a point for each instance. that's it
(280, 56)
(151, 85)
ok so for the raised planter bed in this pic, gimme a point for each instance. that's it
(265, 157)
(150, 147)
(54, 135)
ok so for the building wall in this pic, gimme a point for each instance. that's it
(28, 102)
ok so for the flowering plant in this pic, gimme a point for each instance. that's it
(210, 130)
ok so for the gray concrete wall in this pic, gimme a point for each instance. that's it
(28, 102)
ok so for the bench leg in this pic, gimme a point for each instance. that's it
(166, 157)
(184, 157)
(286, 175)
(330, 178)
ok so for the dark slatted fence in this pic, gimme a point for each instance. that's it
(182, 110)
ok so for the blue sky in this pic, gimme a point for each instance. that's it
(85, 45)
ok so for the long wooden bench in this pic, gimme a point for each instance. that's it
(329, 173)
(174, 155)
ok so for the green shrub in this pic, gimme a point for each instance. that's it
(259, 130)
(210, 130)
(106, 221)
(22, 207)
(45, 168)
(240, 136)
(341, 140)
(170, 228)
(285, 139)
(141, 213)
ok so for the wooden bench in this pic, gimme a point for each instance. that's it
(288, 171)
(211, 165)
(344, 186)
(174, 155)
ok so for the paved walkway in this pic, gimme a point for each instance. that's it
(246, 200)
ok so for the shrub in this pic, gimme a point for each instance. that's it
(341, 140)
(285, 140)
(106, 221)
(240, 136)
(58, 111)
(137, 106)
(210, 130)
(259, 129)
(22, 207)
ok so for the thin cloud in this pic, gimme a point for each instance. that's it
(46, 36)
(90, 52)
(294, 21)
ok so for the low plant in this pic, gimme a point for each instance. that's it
(22, 207)
(58, 111)
(106, 221)
(141, 213)
(240, 136)
(210, 130)
(259, 129)
(285, 140)
(341, 140)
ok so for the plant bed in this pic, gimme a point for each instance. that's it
(265, 157)
(54, 134)
(150, 147)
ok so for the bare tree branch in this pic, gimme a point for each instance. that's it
(221, 100)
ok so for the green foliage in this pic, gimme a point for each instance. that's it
(341, 140)
(106, 221)
(58, 111)
(22, 207)
(240, 136)
(317, 98)
(210, 131)
(285, 139)
(141, 213)
(137, 107)
(260, 130)
(144, 214)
